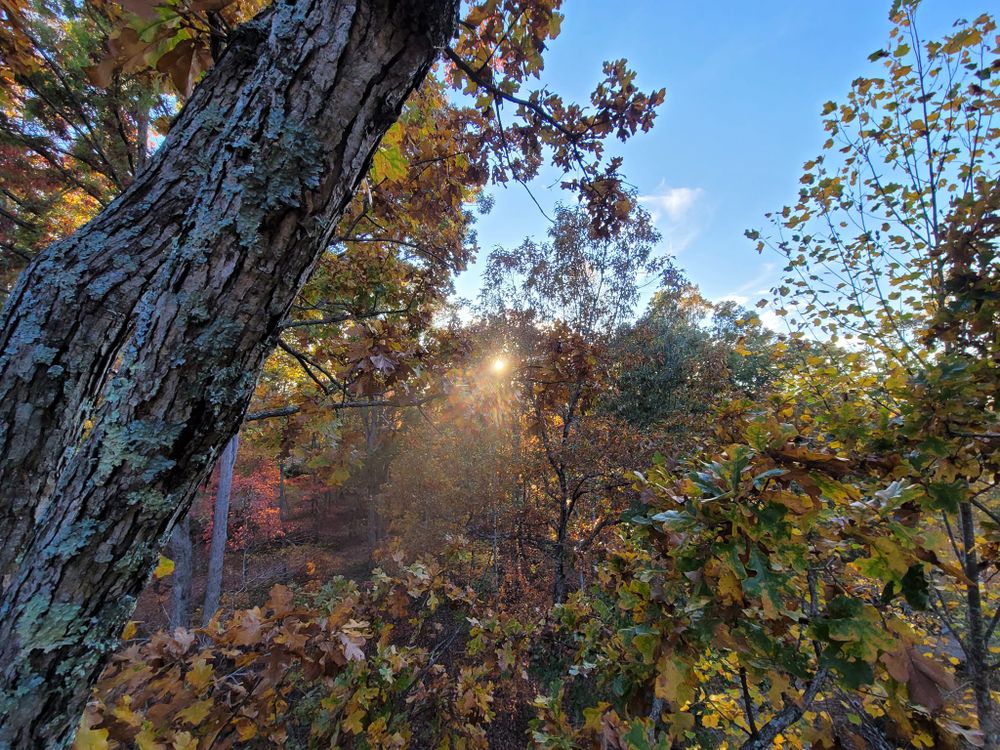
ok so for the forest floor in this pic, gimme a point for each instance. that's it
(315, 544)
(319, 543)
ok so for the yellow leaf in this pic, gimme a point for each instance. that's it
(779, 685)
(246, 730)
(164, 567)
(128, 632)
(91, 739)
(184, 741)
(353, 722)
(146, 740)
(124, 713)
(673, 680)
(729, 587)
(196, 712)
(200, 675)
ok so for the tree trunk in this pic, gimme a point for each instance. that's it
(559, 584)
(559, 573)
(979, 670)
(369, 420)
(180, 581)
(220, 530)
(282, 500)
(129, 351)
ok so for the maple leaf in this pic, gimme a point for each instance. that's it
(88, 738)
(200, 675)
(352, 647)
(247, 631)
(195, 713)
(146, 740)
(352, 723)
(280, 600)
(184, 741)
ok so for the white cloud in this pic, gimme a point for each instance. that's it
(674, 203)
(676, 210)
(770, 319)
(739, 299)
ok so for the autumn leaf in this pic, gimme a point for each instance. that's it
(91, 739)
(352, 647)
(673, 679)
(352, 723)
(164, 567)
(147, 740)
(925, 679)
(200, 675)
(196, 712)
(248, 629)
(280, 600)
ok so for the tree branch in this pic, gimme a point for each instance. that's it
(787, 716)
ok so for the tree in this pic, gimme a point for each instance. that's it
(181, 552)
(892, 247)
(681, 359)
(585, 280)
(824, 567)
(576, 289)
(101, 456)
(129, 350)
(66, 147)
(220, 526)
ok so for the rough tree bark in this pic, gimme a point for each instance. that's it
(220, 530)
(129, 351)
(976, 640)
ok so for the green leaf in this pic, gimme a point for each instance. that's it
(388, 163)
(645, 644)
(854, 672)
(946, 496)
(765, 585)
(915, 587)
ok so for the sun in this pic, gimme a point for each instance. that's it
(499, 365)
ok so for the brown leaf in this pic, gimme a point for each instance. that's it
(177, 64)
(145, 9)
(932, 670)
(924, 679)
(280, 600)
(129, 50)
(100, 75)
(897, 664)
(248, 631)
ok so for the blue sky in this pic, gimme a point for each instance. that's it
(745, 84)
